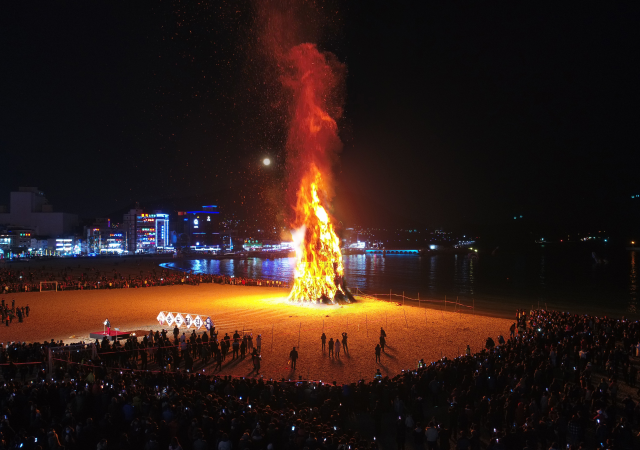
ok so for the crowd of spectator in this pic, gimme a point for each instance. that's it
(561, 382)
(8, 313)
(15, 281)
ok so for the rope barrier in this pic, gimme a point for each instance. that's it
(406, 298)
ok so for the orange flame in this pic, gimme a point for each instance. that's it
(314, 80)
(319, 269)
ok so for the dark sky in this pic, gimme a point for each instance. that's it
(465, 114)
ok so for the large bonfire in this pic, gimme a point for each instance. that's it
(319, 270)
(311, 83)
(313, 80)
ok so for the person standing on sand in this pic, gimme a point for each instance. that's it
(236, 348)
(323, 338)
(330, 346)
(345, 346)
(294, 357)
(256, 362)
(382, 334)
(383, 341)
(337, 348)
(378, 353)
(259, 343)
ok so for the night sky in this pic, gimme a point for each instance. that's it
(461, 115)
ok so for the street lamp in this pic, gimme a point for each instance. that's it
(266, 161)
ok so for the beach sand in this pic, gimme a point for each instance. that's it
(412, 333)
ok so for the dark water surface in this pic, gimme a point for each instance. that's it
(562, 277)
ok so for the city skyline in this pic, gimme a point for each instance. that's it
(456, 115)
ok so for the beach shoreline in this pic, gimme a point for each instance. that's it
(412, 333)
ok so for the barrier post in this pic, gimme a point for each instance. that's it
(405, 317)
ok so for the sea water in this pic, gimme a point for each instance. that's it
(567, 278)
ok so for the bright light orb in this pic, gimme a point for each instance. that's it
(266, 161)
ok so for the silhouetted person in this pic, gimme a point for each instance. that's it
(345, 345)
(378, 349)
(490, 344)
(236, 348)
(323, 338)
(330, 345)
(383, 341)
(294, 357)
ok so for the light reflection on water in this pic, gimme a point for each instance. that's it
(498, 284)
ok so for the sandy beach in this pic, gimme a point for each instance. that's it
(412, 333)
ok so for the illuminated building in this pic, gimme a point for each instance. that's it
(152, 232)
(65, 246)
(129, 224)
(252, 245)
(104, 237)
(203, 229)
(115, 242)
(16, 241)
